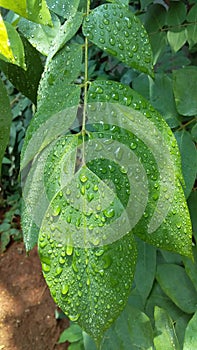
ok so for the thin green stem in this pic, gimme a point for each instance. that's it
(86, 77)
(183, 126)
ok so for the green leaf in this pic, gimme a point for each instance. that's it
(177, 222)
(71, 334)
(114, 29)
(5, 240)
(39, 35)
(189, 159)
(192, 202)
(36, 11)
(190, 341)
(132, 330)
(154, 21)
(27, 80)
(191, 268)
(176, 14)
(162, 98)
(146, 266)
(64, 8)
(186, 99)
(159, 298)
(85, 286)
(177, 39)
(165, 332)
(177, 285)
(65, 33)
(5, 48)
(194, 132)
(192, 27)
(5, 120)
(11, 47)
(145, 3)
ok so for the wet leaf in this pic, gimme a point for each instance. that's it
(36, 11)
(39, 35)
(115, 29)
(11, 46)
(64, 8)
(5, 120)
(172, 230)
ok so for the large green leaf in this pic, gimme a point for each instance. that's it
(186, 99)
(165, 333)
(27, 80)
(5, 120)
(34, 10)
(177, 285)
(189, 159)
(118, 32)
(173, 229)
(176, 14)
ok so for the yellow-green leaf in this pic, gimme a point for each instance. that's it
(5, 48)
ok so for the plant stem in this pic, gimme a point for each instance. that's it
(86, 78)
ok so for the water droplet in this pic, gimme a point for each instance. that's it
(74, 318)
(58, 271)
(46, 267)
(64, 289)
(69, 250)
(109, 213)
(83, 178)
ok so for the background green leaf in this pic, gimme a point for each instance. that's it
(189, 159)
(185, 98)
(5, 120)
(190, 341)
(177, 285)
(165, 332)
(114, 29)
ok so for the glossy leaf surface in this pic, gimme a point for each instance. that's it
(36, 11)
(119, 33)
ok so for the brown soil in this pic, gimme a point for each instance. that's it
(27, 311)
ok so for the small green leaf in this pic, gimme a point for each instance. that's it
(190, 341)
(177, 285)
(5, 120)
(177, 39)
(71, 334)
(64, 8)
(162, 98)
(189, 159)
(27, 80)
(132, 330)
(166, 337)
(154, 21)
(186, 99)
(119, 33)
(176, 14)
(194, 132)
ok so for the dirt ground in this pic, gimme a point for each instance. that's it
(27, 311)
